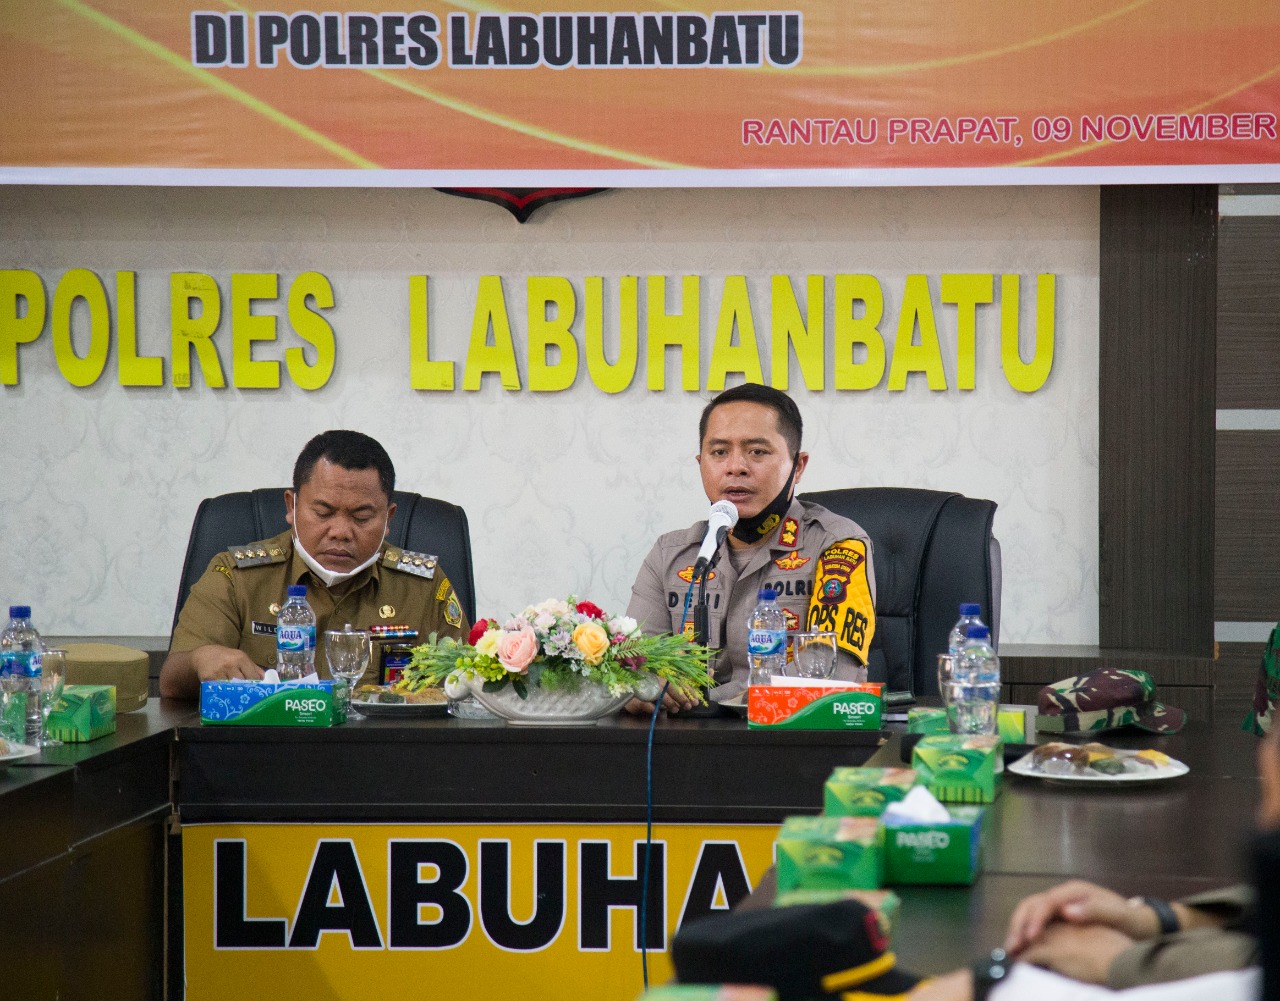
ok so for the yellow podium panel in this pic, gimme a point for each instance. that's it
(390, 911)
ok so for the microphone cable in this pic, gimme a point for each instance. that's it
(648, 833)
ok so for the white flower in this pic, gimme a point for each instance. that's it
(623, 625)
(552, 606)
(543, 621)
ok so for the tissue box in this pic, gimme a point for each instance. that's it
(1017, 724)
(258, 703)
(959, 769)
(710, 992)
(84, 713)
(814, 707)
(865, 792)
(922, 719)
(830, 853)
(885, 903)
(935, 853)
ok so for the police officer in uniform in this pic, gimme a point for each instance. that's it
(340, 510)
(819, 562)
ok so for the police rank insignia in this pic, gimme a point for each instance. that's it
(790, 534)
(420, 564)
(686, 575)
(453, 610)
(792, 561)
(274, 608)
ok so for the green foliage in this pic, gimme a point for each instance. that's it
(626, 667)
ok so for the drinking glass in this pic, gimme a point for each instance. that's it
(348, 652)
(53, 675)
(947, 665)
(813, 655)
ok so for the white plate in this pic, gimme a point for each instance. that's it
(17, 752)
(1089, 777)
(737, 705)
(402, 710)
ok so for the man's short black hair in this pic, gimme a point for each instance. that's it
(348, 449)
(790, 423)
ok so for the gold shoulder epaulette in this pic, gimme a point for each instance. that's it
(258, 554)
(421, 564)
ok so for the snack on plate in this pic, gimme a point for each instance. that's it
(5, 748)
(1059, 758)
(394, 695)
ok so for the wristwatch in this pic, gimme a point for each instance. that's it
(1166, 916)
(989, 971)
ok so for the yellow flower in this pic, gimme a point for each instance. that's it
(592, 640)
(487, 645)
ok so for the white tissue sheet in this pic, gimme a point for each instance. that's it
(919, 806)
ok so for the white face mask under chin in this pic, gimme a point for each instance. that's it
(331, 577)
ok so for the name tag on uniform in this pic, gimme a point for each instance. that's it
(264, 628)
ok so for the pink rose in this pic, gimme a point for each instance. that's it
(517, 648)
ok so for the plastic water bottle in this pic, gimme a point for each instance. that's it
(960, 631)
(766, 638)
(977, 692)
(295, 636)
(20, 656)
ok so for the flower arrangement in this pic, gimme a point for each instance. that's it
(558, 645)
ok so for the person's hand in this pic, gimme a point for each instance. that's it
(222, 663)
(1081, 952)
(954, 986)
(673, 700)
(1269, 773)
(1077, 903)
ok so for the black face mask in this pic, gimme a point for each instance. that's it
(752, 530)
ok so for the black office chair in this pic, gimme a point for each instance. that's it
(931, 550)
(421, 524)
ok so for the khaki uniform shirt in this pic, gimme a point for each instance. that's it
(1185, 954)
(818, 562)
(235, 602)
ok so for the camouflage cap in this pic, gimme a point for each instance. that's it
(1102, 700)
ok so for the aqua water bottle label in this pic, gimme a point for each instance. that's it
(20, 664)
(295, 639)
(766, 642)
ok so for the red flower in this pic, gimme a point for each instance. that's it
(591, 610)
(479, 629)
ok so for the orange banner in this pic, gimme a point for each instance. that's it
(824, 92)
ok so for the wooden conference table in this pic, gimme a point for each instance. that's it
(92, 860)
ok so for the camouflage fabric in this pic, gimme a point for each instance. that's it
(1267, 693)
(1102, 700)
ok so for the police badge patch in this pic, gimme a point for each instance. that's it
(841, 602)
(453, 610)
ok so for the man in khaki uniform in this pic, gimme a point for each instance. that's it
(339, 509)
(819, 563)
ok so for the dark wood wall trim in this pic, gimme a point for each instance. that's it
(1157, 310)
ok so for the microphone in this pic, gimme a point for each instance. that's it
(723, 517)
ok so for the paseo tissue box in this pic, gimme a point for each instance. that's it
(830, 853)
(260, 703)
(885, 903)
(85, 712)
(934, 852)
(846, 706)
(958, 768)
(865, 792)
